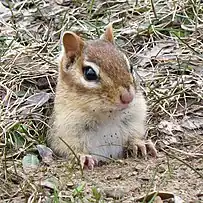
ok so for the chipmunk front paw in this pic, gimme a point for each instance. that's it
(144, 146)
(88, 161)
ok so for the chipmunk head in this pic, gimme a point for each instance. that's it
(96, 72)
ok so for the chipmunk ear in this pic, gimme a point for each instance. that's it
(108, 34)
(73, 45)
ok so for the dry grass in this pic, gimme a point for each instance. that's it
(163, 39)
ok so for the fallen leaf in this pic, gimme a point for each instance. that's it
(162, 195)
(30, 162)
(38, 99)
(101, 7)
(45, 153)
(168, 127)
(51, 182)
(161, 51)
(192, 123)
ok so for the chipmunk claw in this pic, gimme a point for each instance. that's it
(151, 147)
(144, 147)
(88, 161)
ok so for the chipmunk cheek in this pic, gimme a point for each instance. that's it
(112, 96)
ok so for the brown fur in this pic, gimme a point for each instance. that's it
(81, 111)
(111, 63)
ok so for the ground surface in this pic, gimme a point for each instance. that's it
(164, 41)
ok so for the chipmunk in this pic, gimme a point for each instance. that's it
(99, 109)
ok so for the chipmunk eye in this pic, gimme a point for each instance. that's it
(89, 73)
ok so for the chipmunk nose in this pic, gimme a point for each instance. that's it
(126, 96)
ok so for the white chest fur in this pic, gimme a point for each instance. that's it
(102, 137)
(111, 136)
(108, 139)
